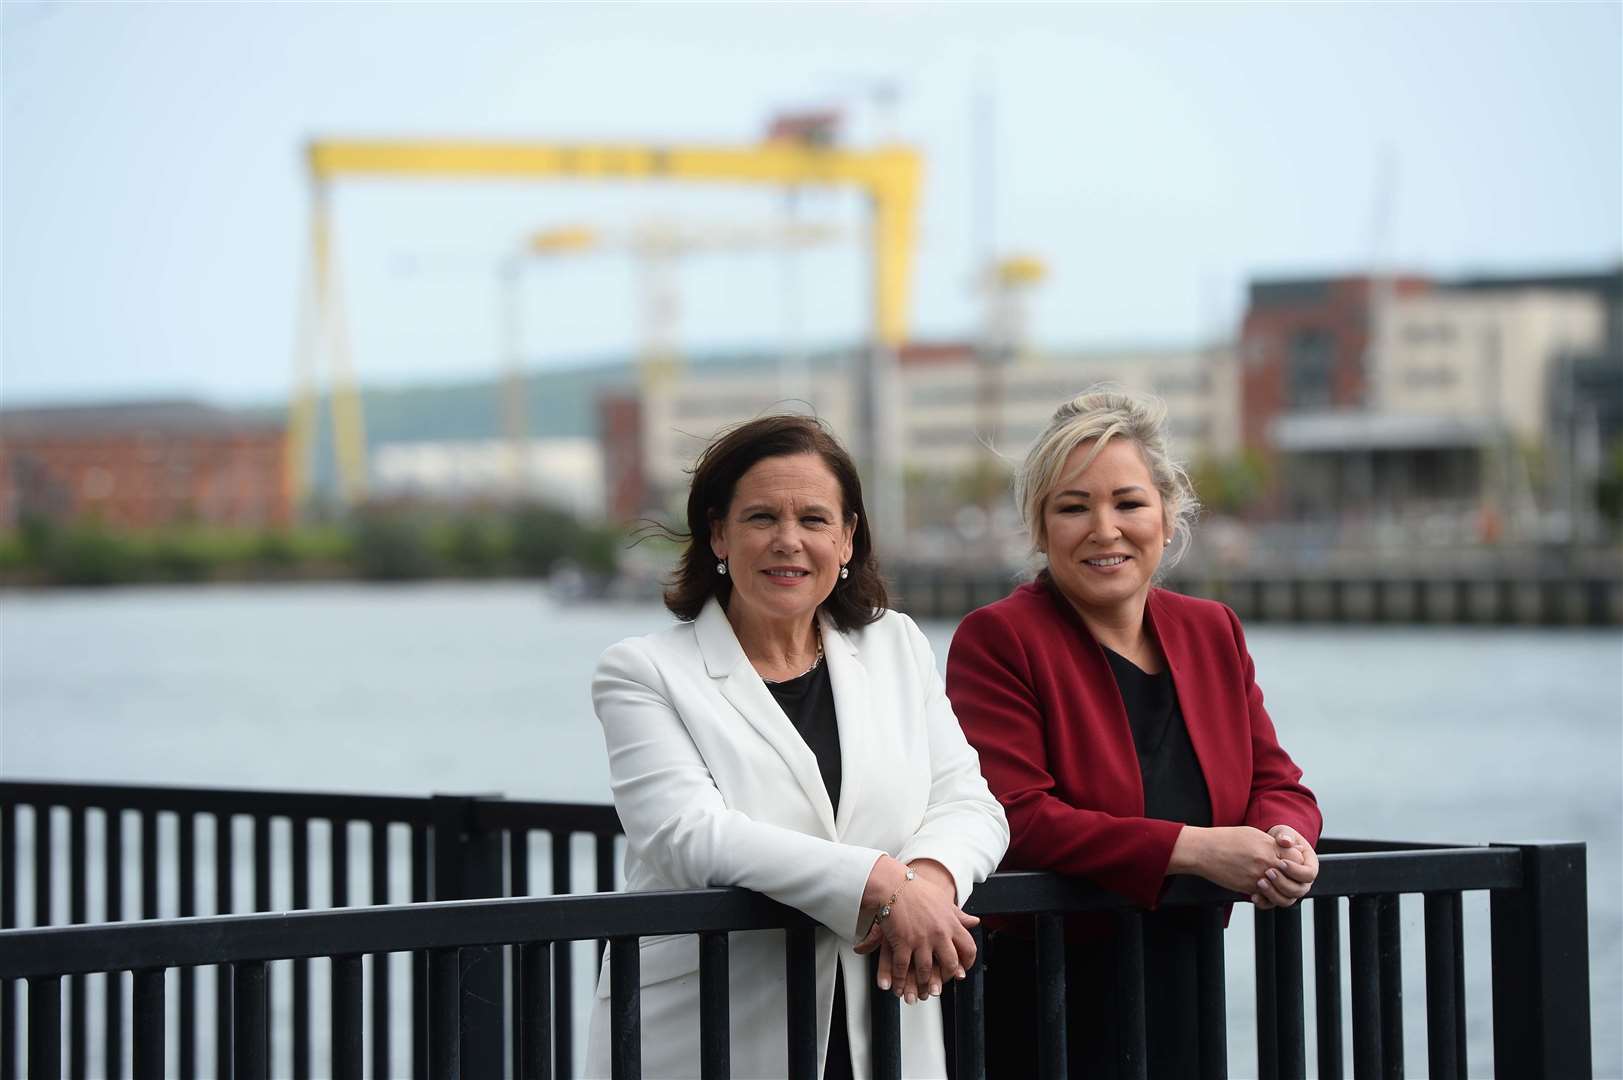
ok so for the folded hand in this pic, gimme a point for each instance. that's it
(1287, 882)
(925, 940)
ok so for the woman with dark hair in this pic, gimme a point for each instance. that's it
(1121, 726)
(791, 736)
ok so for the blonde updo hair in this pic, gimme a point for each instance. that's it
(1102, 413)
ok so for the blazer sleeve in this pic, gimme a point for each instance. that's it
(677, 821)
(1277, 795)
(989, 680)
(964, 827)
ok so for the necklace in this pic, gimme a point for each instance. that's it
(818, 659)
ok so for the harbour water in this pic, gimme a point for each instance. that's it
(1424, 733)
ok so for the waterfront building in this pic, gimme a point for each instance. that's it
(955, 416)
(565, 472)
(1455, 405)
(142, 465)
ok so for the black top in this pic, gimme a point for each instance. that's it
(808, 701)
(1174, 786)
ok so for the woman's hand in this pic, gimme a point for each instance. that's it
(1298, 868)
(925, 939)
(1236, 857)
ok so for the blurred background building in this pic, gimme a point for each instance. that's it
(1351, 415)
(1476, 409)
(1397, 406)
(143, 465)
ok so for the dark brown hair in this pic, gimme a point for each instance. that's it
(855, 601)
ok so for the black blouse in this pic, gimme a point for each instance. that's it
(1174, 786)
(808, 701)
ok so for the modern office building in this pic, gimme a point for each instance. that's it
(1386, 399)
(952, 413)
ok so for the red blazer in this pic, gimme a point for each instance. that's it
(1036, 698)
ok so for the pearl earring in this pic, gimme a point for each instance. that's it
(721, 567)
(844, 573)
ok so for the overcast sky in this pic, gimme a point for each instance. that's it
(1155, 158)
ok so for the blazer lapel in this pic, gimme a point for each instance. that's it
(849, 678)
(725, 662)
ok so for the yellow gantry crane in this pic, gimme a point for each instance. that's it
(888, 175)
(657, 247)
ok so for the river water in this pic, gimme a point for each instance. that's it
(1424, 733)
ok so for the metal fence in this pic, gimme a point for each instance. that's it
(1556, 599)
(127, 848)
(470, 1017)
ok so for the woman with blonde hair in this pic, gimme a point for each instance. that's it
(1122, 728)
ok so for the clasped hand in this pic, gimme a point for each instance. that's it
(1275, 869)
(925, 940)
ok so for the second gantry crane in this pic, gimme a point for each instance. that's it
(657, 246)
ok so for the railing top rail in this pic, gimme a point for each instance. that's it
(494, 812)
(161, 943)
(1348, 845)
(581, 817)
(309, 804)
(451, 924)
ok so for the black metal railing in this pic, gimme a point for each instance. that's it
(464, 1023)
(142, 844)
(1487, 597)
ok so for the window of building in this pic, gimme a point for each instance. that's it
(1309, 365)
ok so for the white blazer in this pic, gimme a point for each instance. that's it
(716, 787)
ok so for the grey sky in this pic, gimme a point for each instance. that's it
(1155, 157)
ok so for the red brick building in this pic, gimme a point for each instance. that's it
(619, 418)
(1302, 348)
(143, 465)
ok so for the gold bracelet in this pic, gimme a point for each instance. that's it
(884, 909)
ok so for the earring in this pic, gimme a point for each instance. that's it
(844, 573)
(1167, 542)
(721, 567)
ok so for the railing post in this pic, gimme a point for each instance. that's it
(535, 1012)
(1444, 970)
(1389, 919)
(1267, 971)
(1213, 1005)
(1541, 966)
(1133, 1055)
(1290, 1044)
(800, 974)
(969, 1008)
(468, 866)
(444, 1015)
(1327, 983)
(885, 1026)
(45, 1027)
(1051, 1048)
(715, 1055)
(625, 1009)
(1364, 934)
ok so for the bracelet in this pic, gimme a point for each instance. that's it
(884, 909)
